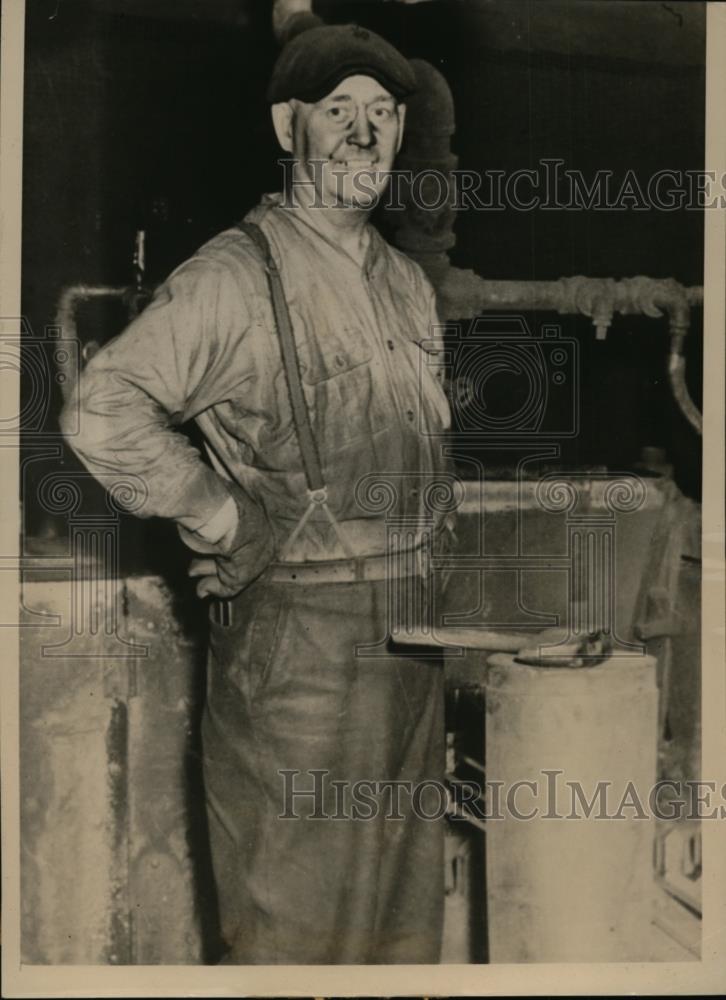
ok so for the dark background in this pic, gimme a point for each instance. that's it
(152, 115)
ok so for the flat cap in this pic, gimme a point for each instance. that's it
(314, 62)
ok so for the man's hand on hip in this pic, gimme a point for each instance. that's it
(239, 544)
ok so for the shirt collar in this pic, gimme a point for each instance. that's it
(375, 252)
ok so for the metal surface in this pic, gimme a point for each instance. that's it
(70, 845)
(112, 826)
(517, 561)
(558, 888)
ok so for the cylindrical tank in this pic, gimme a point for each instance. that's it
(562, 886)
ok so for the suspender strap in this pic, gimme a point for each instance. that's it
(290, 361)
(317, 490)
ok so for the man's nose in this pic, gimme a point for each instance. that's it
(361, 134)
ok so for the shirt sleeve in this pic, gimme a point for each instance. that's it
(183, 354)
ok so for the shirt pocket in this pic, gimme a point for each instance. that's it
(329, 353)
(346, 401)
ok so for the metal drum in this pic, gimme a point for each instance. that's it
(562, 885)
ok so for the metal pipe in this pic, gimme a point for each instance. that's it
(465, 295)
(65, 315)
(65, 318)
(677, 380)
(470, 762)
(458, 812)
(427, 236)
(290, 17)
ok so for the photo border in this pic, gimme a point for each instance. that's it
(707, 976)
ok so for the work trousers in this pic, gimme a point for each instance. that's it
(351, 872)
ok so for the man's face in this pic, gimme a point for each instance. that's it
(346, 143)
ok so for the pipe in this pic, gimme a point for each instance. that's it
(470, 762)
(677, 380)
(290, 17)
(426, 235)
(465, 295)
(458, 812)
(65, 318)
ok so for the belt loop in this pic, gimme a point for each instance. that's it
(359, 568)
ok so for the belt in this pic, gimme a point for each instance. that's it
(364, 568)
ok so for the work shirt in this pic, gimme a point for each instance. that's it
(206, 348)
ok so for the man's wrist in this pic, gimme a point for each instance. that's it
(221, 528)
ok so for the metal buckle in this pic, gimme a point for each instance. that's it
(221, 612)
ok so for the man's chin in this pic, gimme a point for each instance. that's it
(362, 196)
(359, 203)
(360, 189)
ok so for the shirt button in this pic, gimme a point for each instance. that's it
(410, 414)
(339, 361)
(390, 345)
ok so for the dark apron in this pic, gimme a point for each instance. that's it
(287, 692)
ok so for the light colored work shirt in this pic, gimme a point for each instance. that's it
(206, 348)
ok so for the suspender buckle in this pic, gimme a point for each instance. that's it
(318, 496)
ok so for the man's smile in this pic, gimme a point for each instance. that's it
(355, 163)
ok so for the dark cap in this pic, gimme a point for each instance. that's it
(317, 60)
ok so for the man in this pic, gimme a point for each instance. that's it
(303, 691)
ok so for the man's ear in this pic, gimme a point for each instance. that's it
(282, 115)
(401, 109)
